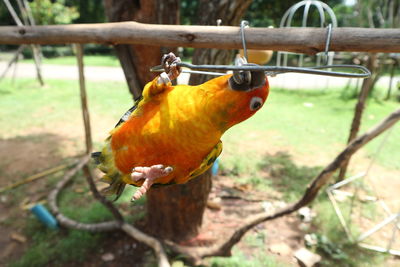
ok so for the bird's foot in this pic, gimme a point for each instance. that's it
(149, 174)
(172, 70)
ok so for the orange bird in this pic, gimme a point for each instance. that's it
(172, 134)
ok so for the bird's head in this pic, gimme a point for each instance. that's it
(238, 96)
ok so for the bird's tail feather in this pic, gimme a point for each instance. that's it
(112, 176)
(96, 156)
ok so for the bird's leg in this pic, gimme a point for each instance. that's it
(172, 70)
(149, 174)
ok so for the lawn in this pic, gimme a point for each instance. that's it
(288, 121)
(292, 137)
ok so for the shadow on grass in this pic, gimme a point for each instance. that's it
(287, 177)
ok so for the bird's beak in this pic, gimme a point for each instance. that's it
(247, 80)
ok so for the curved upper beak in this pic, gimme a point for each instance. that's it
(247, 80)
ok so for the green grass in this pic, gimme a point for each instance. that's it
(89, 60)
(58, 246)
(286, 176)
(239, 259)
(25, 104)
(51, 247)
(333, 243)
(322, 129)
(284, 124)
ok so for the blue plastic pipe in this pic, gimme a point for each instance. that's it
(44, 216)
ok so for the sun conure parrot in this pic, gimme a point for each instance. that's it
(172, 134)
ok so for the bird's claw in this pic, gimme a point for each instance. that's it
(169, 62)
(149, 174)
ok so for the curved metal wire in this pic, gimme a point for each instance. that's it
(286, 21)
(328, 43)
(275, 70)
(244, 24)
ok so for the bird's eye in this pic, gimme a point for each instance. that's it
(255, 103)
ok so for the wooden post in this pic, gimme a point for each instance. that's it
(366, 87)
(137, 59)
(176, 212)
(82, 87)
(298, 40)
(183, 206)
(13, 60)
(393, 66)
(27, 17)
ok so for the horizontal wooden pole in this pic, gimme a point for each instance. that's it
(304, 40)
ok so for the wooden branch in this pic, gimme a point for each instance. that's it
(366, 87)
(13, 60)
(117, 224)
(196, 254)
(126, 227)
(13, 13)
(83, 95)
(304, 40)
(148, 240)
(96, 194)
(67, 222)
(34, 177)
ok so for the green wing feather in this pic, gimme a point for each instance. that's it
(208, 161)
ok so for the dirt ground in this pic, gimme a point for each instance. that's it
(229, 204)
(26, 155)
(39, 149)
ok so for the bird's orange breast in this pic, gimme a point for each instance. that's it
(164, 131)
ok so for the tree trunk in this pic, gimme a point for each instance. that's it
(136, 60)
(231, 13)
(176, 212)
(173, 212)
(366, 88)
(393, 67)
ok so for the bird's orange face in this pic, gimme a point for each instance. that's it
(235, 103)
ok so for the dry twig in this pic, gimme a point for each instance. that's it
(34, 177)
(67, 222)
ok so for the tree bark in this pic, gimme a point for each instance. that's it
(366, 88)
(173, 212)
(393, 66)
(176, 212)
(230, 12)
(298, 40)
(137, 59)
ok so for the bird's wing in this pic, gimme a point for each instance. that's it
(127, 114)
(208, 161)
(151, 89)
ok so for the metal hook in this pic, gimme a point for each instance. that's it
(328, 43)
(244, 24)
